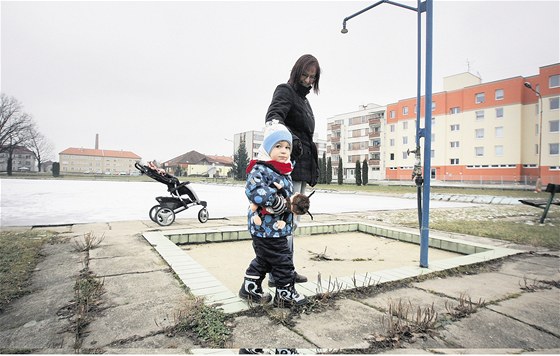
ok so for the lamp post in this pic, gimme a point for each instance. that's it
(423, 183)
(538, 183)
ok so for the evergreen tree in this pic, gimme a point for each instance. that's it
(365, 172)
(329, 171)
(240, 162)
(358, 173)
(340, 176)
(56, 169)
(321, 175)
(323, 168)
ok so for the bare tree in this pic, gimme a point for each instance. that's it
(15, 127)
(41, 147)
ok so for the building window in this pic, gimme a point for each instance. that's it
(405, 140)
(391, 142)
(455, 110)
(479, 114)
(392, 128)
(404, 155)
(454, 144)
(405, 125)
(499, 94)
(499, 131)
(392, 156)
(433, 105)
(405, 110)
(392, 114)
(553, 126)
(479, 151)
(554, 81)
(454, 161)
(455, 127)
(553, 148)
(499, 112)
(479, 98)
(479, 133)
(499, 150)
(554, 103)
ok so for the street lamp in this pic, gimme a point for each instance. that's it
(538, 184)
(423, 184)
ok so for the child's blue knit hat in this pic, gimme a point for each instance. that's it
(275, 132)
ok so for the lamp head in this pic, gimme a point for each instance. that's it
(344, 30)
(528, 85)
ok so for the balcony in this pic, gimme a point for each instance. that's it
(374, 134)
(374, 148)
(335, 139)
(374, 162)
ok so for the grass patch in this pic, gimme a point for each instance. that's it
(210, 327)
(545, 235)
(19, 255)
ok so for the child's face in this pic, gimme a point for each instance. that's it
(281, 152)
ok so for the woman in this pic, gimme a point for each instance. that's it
(290, 107)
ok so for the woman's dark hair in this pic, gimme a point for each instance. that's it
(303, 63)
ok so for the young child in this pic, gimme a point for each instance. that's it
(270, 220)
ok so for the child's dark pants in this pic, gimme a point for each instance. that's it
(273, 255)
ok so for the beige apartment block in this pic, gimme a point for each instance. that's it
(357, 136)
(96, 161)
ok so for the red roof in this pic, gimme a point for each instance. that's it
(221, 159)
(99, 153)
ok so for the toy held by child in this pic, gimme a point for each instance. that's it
(269, 189)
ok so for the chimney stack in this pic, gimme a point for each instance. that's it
(96, 141)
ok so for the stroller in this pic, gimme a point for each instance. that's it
(182, 197)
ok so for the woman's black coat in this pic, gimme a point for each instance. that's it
(290, 107)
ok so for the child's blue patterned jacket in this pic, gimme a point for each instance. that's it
(261, 190)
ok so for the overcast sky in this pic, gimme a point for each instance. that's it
(163, 78)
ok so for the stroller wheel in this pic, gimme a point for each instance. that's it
(153, 212)
(165, 216)
(203, 215)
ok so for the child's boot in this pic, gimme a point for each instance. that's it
(251, 289)
(287, 296)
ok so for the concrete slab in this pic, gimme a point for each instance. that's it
(248, 334)
(156, 285)
(487, 329)
(346, 326)
(414, 298)
(540, 308)
(135, 320)
(489, 286)
(533, 268)
(42, 313)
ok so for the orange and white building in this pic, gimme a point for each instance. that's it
(483, 132)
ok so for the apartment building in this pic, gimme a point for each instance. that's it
(23, 160)
(484, 132)
(96, 161)
(357, 136)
